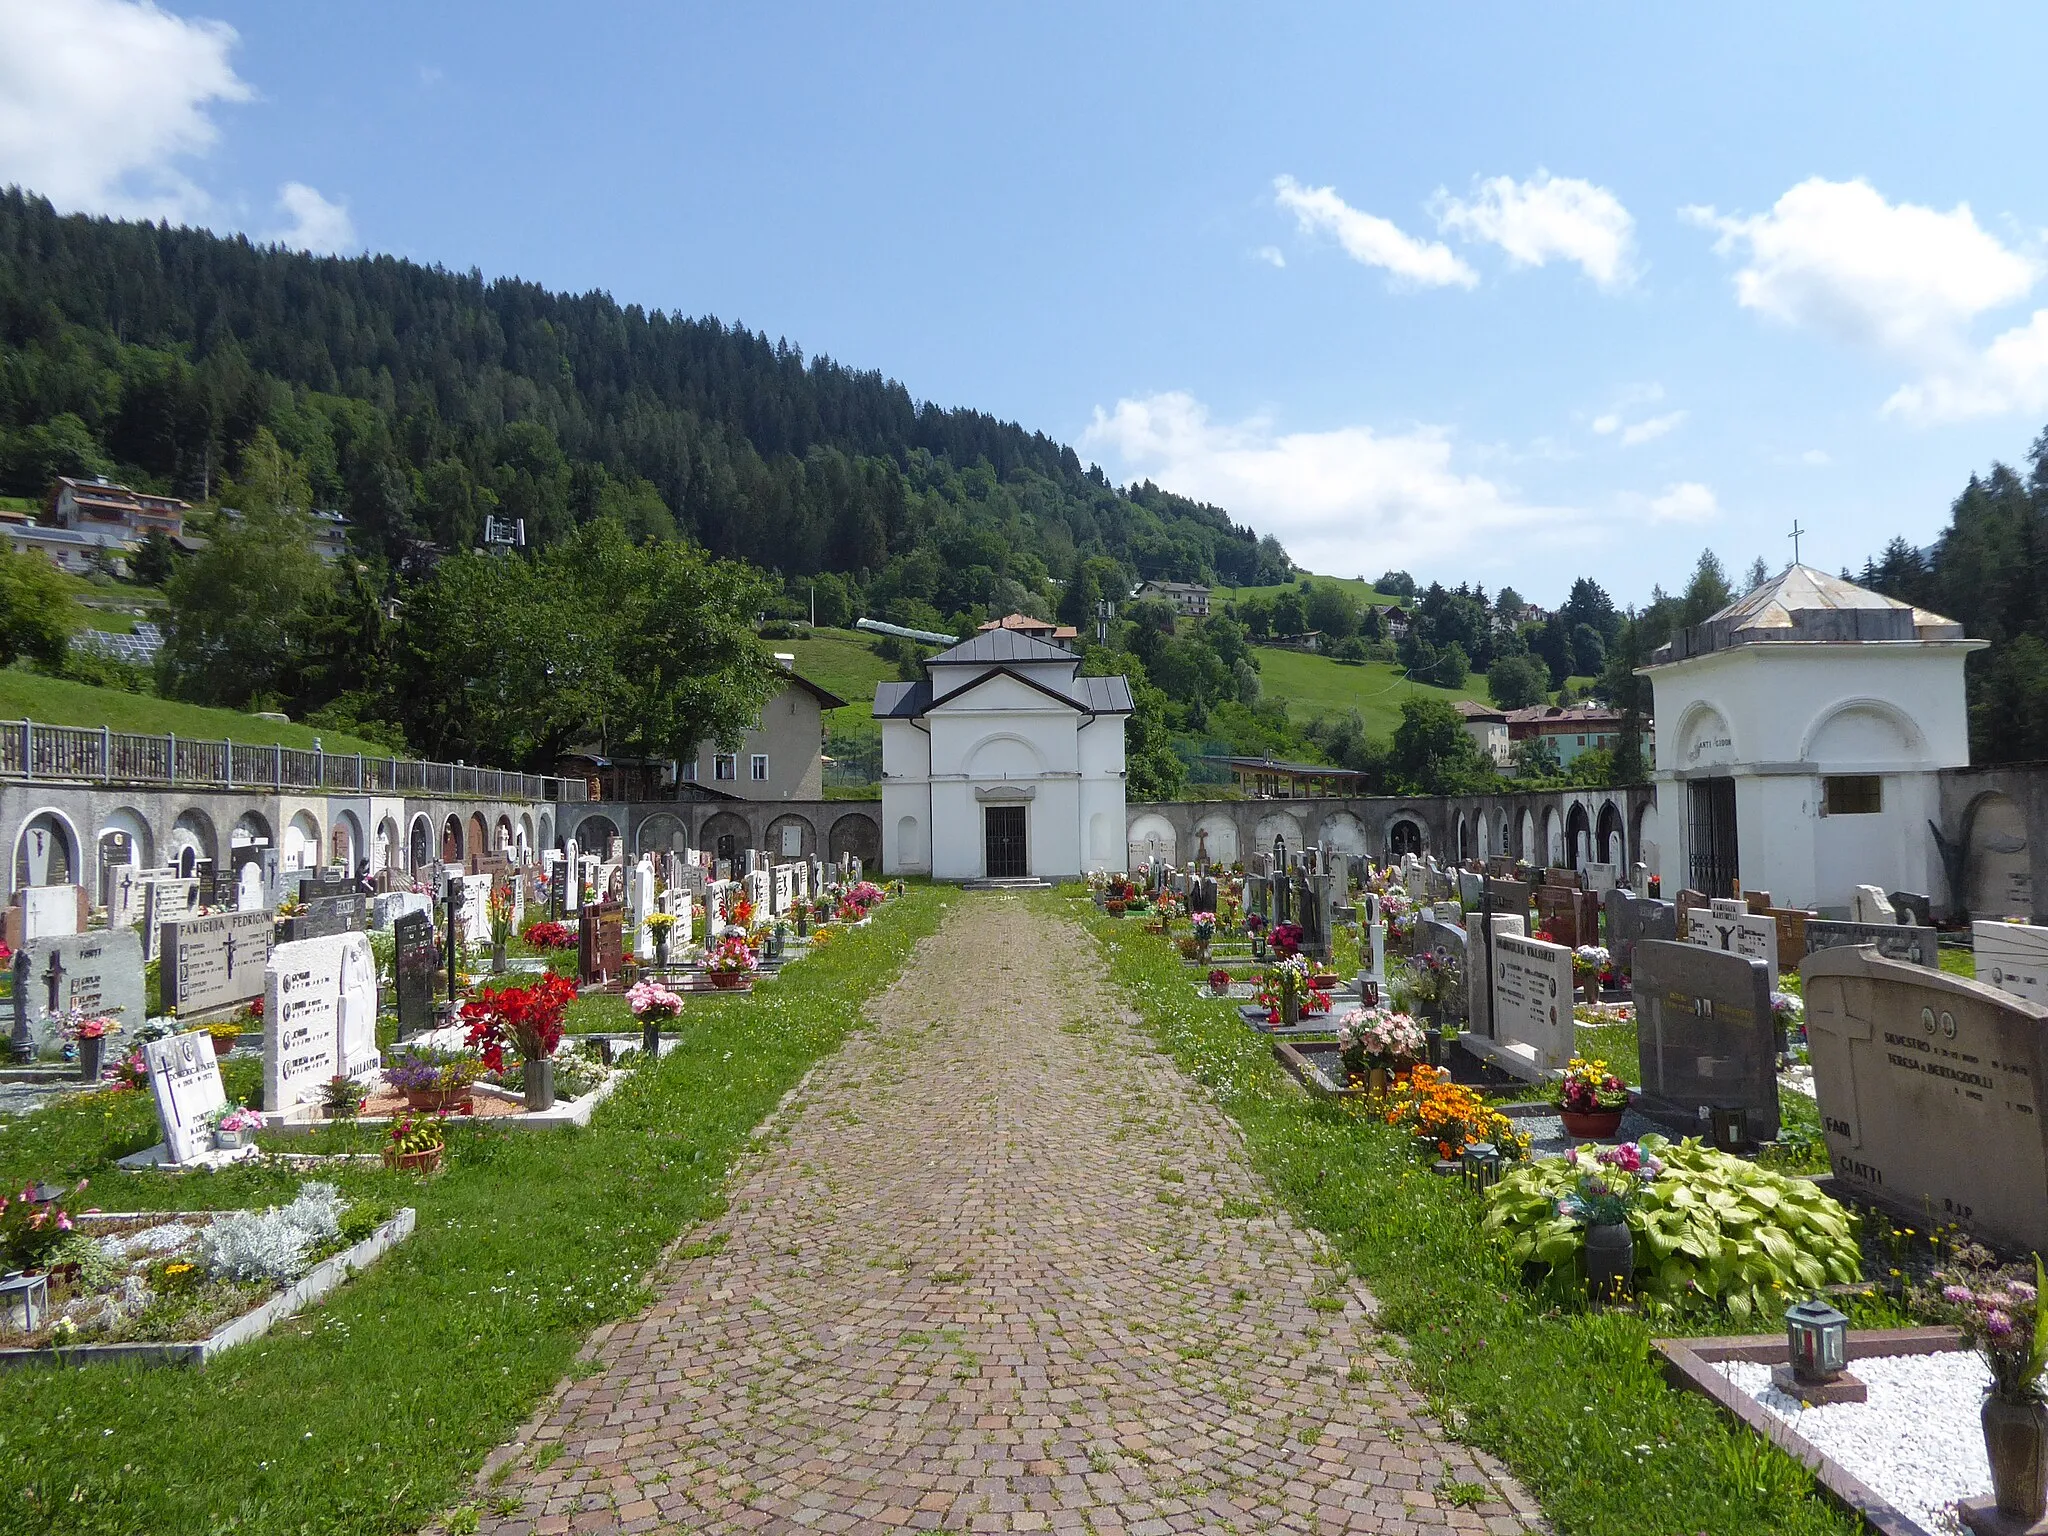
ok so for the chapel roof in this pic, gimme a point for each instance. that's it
(994, 647)
(1097, 695)
(1802, 604)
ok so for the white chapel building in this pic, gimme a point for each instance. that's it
(1801, 732)
(1002, 762)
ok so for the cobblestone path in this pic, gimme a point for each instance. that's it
(998, 1268)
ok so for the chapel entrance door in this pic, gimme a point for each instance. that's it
(1714, 865)
(1003, 841)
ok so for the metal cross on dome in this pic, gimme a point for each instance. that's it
(1794, 537)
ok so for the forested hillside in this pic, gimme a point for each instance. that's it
(419, 400)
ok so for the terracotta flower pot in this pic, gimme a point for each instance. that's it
(222, 1044)
(726, 981)
(1592, 1125)
(431, 1101)
(422, 1163)
(2016, 1442)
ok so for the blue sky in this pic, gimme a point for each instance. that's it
(1502, 293)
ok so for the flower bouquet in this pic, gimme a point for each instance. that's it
(32, 1229)
(1203, 925)
(1374, 1042)
(527, 1017)
(1591, 966)
(1286, 940)
(1446, 1117)
(1219, 982)
(1289, 991)
(1788, 1012)
(653, 1005)
(2002, 1321)
(234, 1125)
(1590, 1099)
(550, 935)
(659, 926)
(730, 961)
(89, 1034)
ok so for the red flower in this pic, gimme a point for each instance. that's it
(529, 1017)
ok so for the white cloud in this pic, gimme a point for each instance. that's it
(1836, 257)
(1272, 255)
(1649, 430)
(318, 225)
(1685, 502)
(1371, 240)
(100, 101)
(1548, 217)
(1817, 458)
(1328, 496)
(2011, 374)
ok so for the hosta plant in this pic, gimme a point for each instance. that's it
(1710, 1228)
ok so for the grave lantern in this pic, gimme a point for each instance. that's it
(1819, 1339)
(1731, 1129)
(24, 1301)
(1481, 1166)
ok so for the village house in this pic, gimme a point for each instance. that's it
(126, 516)
(1190, 597)
(1037, 629)
(1488, 728)
(1574, 731)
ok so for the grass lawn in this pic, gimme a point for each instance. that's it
(1316, 685)
(372, 1412)
(1569, 1398)
(1363, 591)
(28, 695)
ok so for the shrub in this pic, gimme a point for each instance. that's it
(1712, 1228)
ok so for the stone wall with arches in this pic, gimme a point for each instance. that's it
(726, 828)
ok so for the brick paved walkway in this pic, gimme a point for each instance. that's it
(999, 1269)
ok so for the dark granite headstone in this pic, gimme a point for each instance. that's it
(415, 969)
(1705, 1033)
(1509, 896)
(1914, 907)
(1433, 936)
(1571, 916)
(1895, 941)
(1202, 894)
(326, 916)
(1630, 920)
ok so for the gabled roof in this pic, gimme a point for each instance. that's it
(994, 647)
(1472, 709)
(1804, 604)
(903, 701)
(826, 698)
(1024, 623)
(1095, 695)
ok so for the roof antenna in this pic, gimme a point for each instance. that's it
(1794, 536)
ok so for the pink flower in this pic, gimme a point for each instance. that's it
(2022, 1292)
(1998, 1325)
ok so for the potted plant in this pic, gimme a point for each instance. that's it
(416, 1144)
(234, 1126)
(1608, 1188)
(91, 1036)
(341, 1098)
(653, 1005)
(659, 926)
(529, 1018)
(2003, 1322)
(1589, 963)
(1286, 940)
(1203, 925)
(223, 1035)
(1219, 982)
(434, 1080)
(730, 962)
(1374, 1043)
(1591, 1100)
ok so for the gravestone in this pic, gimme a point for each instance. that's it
(1415, 881)
(97, 973)
(1727, 906)
(1632, 919)
(184, 1079)
(1791, 923)
(1896, 941)
(1571, 916)
(1532, 1001)
(1500, 867)
(1869, 904)
(784, 893)
(1471, 888)
(1689, 901)
(572, 889)
(1928, 1093)
(1433, 936)
(214, 964)
(1485, 939)
(1738, 933)
(385, 911)
(2013, 957)
(1509, 896)
(165, 901)
(319, 1018)
(124, 895)
(326, 916)
(48, 911)
(1602, 878)
(1706, 1033)
(1283, 899)
(413, 969)
(1563, 879)
(1914, 908)
(476, 910)
(611, 938)
(640, 904)
(1202, 895)
(249, 887)
(1310, 901)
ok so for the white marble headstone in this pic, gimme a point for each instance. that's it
(319, 1017)
(2012, 957)
(476, 909)
(48, 911)
(571, 870)
(184, 1079)
(1736, 933)
(1871, 905)
(249, 889)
